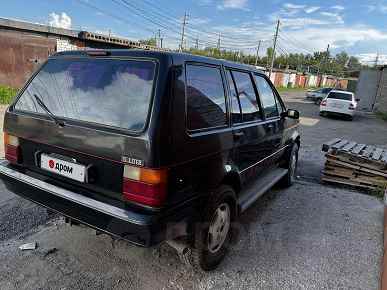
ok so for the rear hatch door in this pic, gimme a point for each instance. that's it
(104, 105)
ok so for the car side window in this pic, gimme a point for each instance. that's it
(206, 102)
(267, 97)
(247, 96)
(236, 112)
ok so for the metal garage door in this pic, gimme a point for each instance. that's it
(367, 89)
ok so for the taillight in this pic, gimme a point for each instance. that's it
(323, 103)
(145, 186)
(12, 148)
(352, 107)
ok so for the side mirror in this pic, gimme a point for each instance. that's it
(292, 114)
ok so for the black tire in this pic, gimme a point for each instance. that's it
(323, 114)
(292, 165)
(202, 258)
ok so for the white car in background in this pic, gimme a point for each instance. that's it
(318, 95)
(339, 102)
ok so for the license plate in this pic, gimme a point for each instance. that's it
(336, 105)
(64, 168)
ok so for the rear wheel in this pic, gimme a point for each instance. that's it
(213, 235)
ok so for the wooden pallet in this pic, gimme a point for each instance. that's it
(359, 165)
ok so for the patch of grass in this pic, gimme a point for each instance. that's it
(379, 191)
(284, 89)
(382, 115)
(7, 94)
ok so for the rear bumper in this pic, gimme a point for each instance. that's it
(337, 111)
(140, 229)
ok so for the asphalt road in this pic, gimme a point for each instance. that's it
(310, 236)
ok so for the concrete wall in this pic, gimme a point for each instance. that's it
(381, 96)
(367, 89)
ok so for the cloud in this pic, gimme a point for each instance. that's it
(198, 21)
(338, 7)
(370, 8)
(290, 9)
(338, 19)
(60, 21)
(311, 9)
(376, 8)
(204, 2)
(293, 6)
(370, 58)
(300, 22)
(233, 4)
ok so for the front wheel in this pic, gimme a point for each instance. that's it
(213, 235)
(292, 163)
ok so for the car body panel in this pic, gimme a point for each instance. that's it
(197, 161)
(339, 106)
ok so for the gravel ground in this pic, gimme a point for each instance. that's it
(307, 237)
(310, 236)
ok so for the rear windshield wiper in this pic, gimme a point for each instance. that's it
(49, 113)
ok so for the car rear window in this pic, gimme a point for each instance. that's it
(340, 96)
(104, 91)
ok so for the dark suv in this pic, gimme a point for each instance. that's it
(150, 146)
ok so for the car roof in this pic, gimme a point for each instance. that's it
(340, 91)
(178, 57)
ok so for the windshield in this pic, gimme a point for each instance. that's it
(340, 96)
(105, 91)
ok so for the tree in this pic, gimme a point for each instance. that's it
(149, 41)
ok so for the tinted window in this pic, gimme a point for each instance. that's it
(206, 105)
(235, 110)
(326, 91)
(247, 97)
(340, 96)
(266, 95)
(110, 92)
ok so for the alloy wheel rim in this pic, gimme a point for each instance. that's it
(219, 227)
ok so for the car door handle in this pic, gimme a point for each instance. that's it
(238, 135)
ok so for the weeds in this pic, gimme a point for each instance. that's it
(7, 94)
(382, 115)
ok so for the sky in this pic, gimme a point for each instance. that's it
(357, 27)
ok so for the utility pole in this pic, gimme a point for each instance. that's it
(218, 45)
(160, 42)
(259, 46)
(197, 43)
(324, 58)
(183, 31)
(274, 47)
(377, 59)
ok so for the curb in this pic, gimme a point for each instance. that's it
(384, 262)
